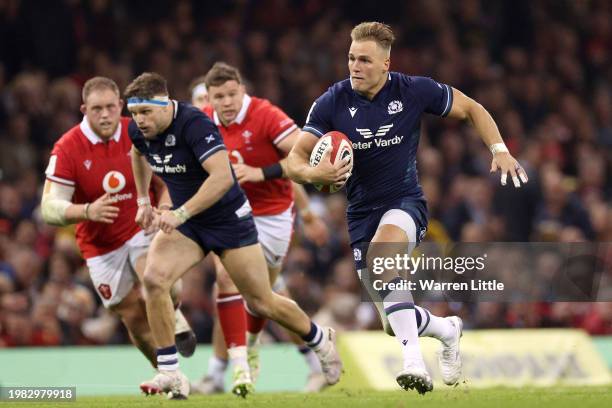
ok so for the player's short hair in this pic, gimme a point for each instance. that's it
(147, 85)
(373, 30)
(220, 73)
(98, 83)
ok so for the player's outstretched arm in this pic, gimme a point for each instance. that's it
(466, 108)
(218, 182)
(299, 169)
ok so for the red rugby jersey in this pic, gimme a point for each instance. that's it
(81, 159)
(252, 139)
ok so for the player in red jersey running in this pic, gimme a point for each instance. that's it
(90, 183)
(258, 135)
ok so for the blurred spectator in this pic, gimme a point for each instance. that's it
(560, 208)
(76, 305)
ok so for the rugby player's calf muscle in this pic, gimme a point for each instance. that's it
(133, 314)
(224, 282)
(246, 267)
(171, 255)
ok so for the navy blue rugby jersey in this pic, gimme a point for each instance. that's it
(384, 133)
(177, 154)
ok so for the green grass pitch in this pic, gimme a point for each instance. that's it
(554, 397)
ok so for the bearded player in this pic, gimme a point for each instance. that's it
(183, 146)
(380, 112)
(258, 135)
(90, 183)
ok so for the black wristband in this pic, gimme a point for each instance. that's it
(272, 171)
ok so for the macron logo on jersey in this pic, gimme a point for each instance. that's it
(367, 133)
(352, 111)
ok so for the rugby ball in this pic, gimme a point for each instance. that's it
(341, 148)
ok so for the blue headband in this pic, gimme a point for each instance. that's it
(155, 101)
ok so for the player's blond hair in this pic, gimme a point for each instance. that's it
(147, 85)
(220, 73)
(380, 33)
(98, 83)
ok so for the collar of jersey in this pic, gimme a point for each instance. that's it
(92, 136)
(377, 97)
(246, 102)
(162, 136)
(175, 103)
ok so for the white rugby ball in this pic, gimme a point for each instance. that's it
(341, 148)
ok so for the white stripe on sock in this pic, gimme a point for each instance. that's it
(228, 299)
(162, 358)
(168, 367)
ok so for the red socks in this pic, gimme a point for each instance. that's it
(255, 324)
(232, 317)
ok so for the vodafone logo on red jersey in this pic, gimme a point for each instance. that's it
(113, 182)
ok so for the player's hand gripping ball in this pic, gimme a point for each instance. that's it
(341, 148)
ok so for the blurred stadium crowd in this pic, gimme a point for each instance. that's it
(542, 68)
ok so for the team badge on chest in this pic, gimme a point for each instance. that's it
(395, 107)
(247, 136)
(170, 141)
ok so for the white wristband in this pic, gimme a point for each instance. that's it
(182, 214)
(143, 201)
(498, 148)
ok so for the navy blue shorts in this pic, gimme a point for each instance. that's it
(362, 226)
(228, 231)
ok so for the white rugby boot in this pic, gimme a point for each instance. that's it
(173, 383)
(243, 385)
(449, 355)
(329, 357)
(253, 360)
(207, 386)
(415, 377)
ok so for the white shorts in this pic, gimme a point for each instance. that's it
(113, 273)
(274, 233)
